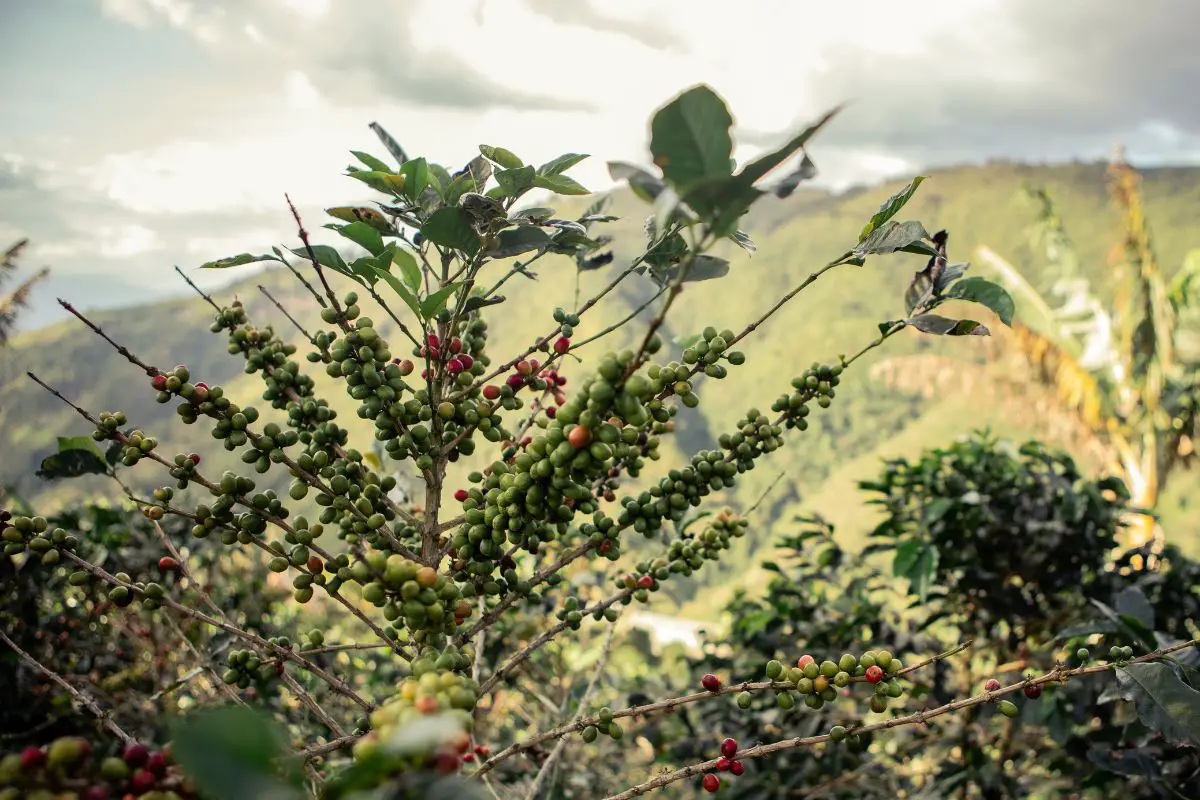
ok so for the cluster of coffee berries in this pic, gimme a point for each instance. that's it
(427, 601)
(33, 534)
(246, 667)
(1119, 655)
(566, 322)
(725, 763)
(604, 725)
(66, 770)
(818, 683)
(817, 381)
(127, 590)
(430, 691)
(680, 490)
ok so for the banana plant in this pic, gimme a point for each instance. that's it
(1127, 372)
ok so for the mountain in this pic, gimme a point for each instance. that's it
(837, 314)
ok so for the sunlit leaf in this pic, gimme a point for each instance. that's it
(237, 261)
(984, 292)
(690, 138)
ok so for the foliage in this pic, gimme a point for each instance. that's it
(1026, 618)
(12, 302)
(419, 567)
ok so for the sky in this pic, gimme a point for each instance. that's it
(137, 135)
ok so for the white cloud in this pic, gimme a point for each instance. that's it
(126, 241)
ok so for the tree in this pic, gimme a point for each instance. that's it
(12, 302)
(426, 563)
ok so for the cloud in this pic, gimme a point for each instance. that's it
(582, 14)
(1029, 79)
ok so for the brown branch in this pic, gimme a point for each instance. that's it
(284, 311)
(207, 297)
(1056, 675)
(96, 329)
(80, 696)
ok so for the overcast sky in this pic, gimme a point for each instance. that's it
(141, 134)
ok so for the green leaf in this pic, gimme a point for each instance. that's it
(436, 301)
(1129, 624)
(371, 162)
(1164, 703)
(75, 457)
(690, 139)
(644, 184)
(891, 207)
(458, 187)
(364, 236)
(521, 239)
(984, 292)
(559, 184)
(533, 212)
(326, 256)
(706, 268)
(233, 752)
(409, 270)
(366, 268)
(476, 302)
(416, 177)
(505, 158)
(237, 261)
(391, 144)
(561, 164)
(943, 326)
(515, 182)
(758, 168)
(406, 294)
(891, 237)
(439, 178)
(451, 227)
(884, 327)
(1131, 601)
(790, 182)
(917, 561)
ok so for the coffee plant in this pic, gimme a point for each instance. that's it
(466, 539)
(994, 509)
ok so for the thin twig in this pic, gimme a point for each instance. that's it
(550, 763)
(80, 696)
(198, 290)
(284, 311)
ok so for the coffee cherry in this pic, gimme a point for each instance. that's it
(744, 699)
(461, 495)
(991, 685)
(711, 782)
(645, 582)
(168, 564)
(723, 764)
(195, 459)
(32, 758)
(774, 670)
(1009, 708)
(590, 733)
(711, 682)
(729, 747)
(804, 661)
(562, 345)
(874, 674)
(1033, 691)
(142, 781)
(837, 733)
(159, 382)
(579, 437)
(736, 768)
(136, 754)
(1082, 654)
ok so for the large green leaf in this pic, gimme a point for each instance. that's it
(451, 227)
(364, 236)
(326, 256)
(560, 184)
(891, 207)
(436, 301)
(407, 295)
(944, 326)
(561, 164)
(891, 237)
(416, 177)
(515, 182)
(917, 561)
(77, 455)
(505, 158)
(233, 752)
(758, 168)
(984, 292)
(1164, 703)
(371, 162)
(690, 139)
(521, 239)
(409, 270)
